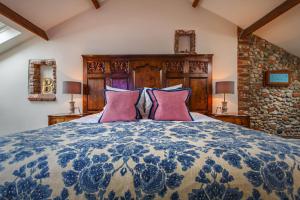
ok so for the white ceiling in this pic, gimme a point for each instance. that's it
(43, 13)
(48, 13)
(283, 31)
(241, 12)
(17, 40)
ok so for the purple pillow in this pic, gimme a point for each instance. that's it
(121, 106)
(171, 105)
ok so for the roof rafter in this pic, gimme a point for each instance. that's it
(282, 8)
(195, 3)
(12, 15)
(96, 4)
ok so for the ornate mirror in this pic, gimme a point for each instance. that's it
(42, 80)
(185, 42)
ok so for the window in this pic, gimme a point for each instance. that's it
(7, 33)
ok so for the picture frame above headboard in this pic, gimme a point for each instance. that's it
(155, 71)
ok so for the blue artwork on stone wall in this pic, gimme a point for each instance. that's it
(279, 78)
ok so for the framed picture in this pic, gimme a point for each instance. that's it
(277, 78)
(185, 42)
(42, 80)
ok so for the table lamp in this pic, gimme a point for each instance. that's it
(70, 87)
(225, 87)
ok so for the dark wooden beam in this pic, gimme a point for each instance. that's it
(284, 7)
(12, 15)
(195, 3)
(96, 4)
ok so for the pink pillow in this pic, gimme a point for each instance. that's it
(171, 105)
(121, 106)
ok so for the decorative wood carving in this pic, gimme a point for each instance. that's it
(198, 67)
(192, 38)
(35, 80)
(95, 67)
(175, 66)
(138, 71)
(119, 67)
(147, 76)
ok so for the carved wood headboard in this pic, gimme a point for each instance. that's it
(155, 71)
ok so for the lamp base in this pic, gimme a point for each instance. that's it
(72, 107)
(224, 107)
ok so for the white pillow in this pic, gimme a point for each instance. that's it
(115, 89)
(141, 103)
(148, 102)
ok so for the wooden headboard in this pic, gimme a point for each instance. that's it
(155, 71)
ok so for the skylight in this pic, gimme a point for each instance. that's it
(7, 33)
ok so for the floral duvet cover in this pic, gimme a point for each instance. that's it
(148, 160)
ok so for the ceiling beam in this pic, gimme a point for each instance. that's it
(195, 3)
(284, 7)
(12, 15)
(96, 3)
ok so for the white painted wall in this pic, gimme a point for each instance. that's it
(119, 27)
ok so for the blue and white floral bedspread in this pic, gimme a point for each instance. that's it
(148, 160)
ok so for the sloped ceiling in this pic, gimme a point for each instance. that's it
(284, 31)
(241, 12)
(48, 13)
(43, 13)
(17, 40)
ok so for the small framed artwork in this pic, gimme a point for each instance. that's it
(277, 78)
(42, 80)
(185, 42)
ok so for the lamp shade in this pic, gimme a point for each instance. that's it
(225, 87)
(70, 87)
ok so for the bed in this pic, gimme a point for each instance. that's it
(147, 159)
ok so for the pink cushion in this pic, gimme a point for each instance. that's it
(141, 103)
(171, 105)
(121, 106)
(148, 102)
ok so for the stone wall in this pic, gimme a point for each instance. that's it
(273, 110)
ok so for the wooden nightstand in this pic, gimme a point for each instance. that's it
(243, 120)
(59, 118)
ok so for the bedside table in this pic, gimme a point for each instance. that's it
(59, 118)
(242, 120)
